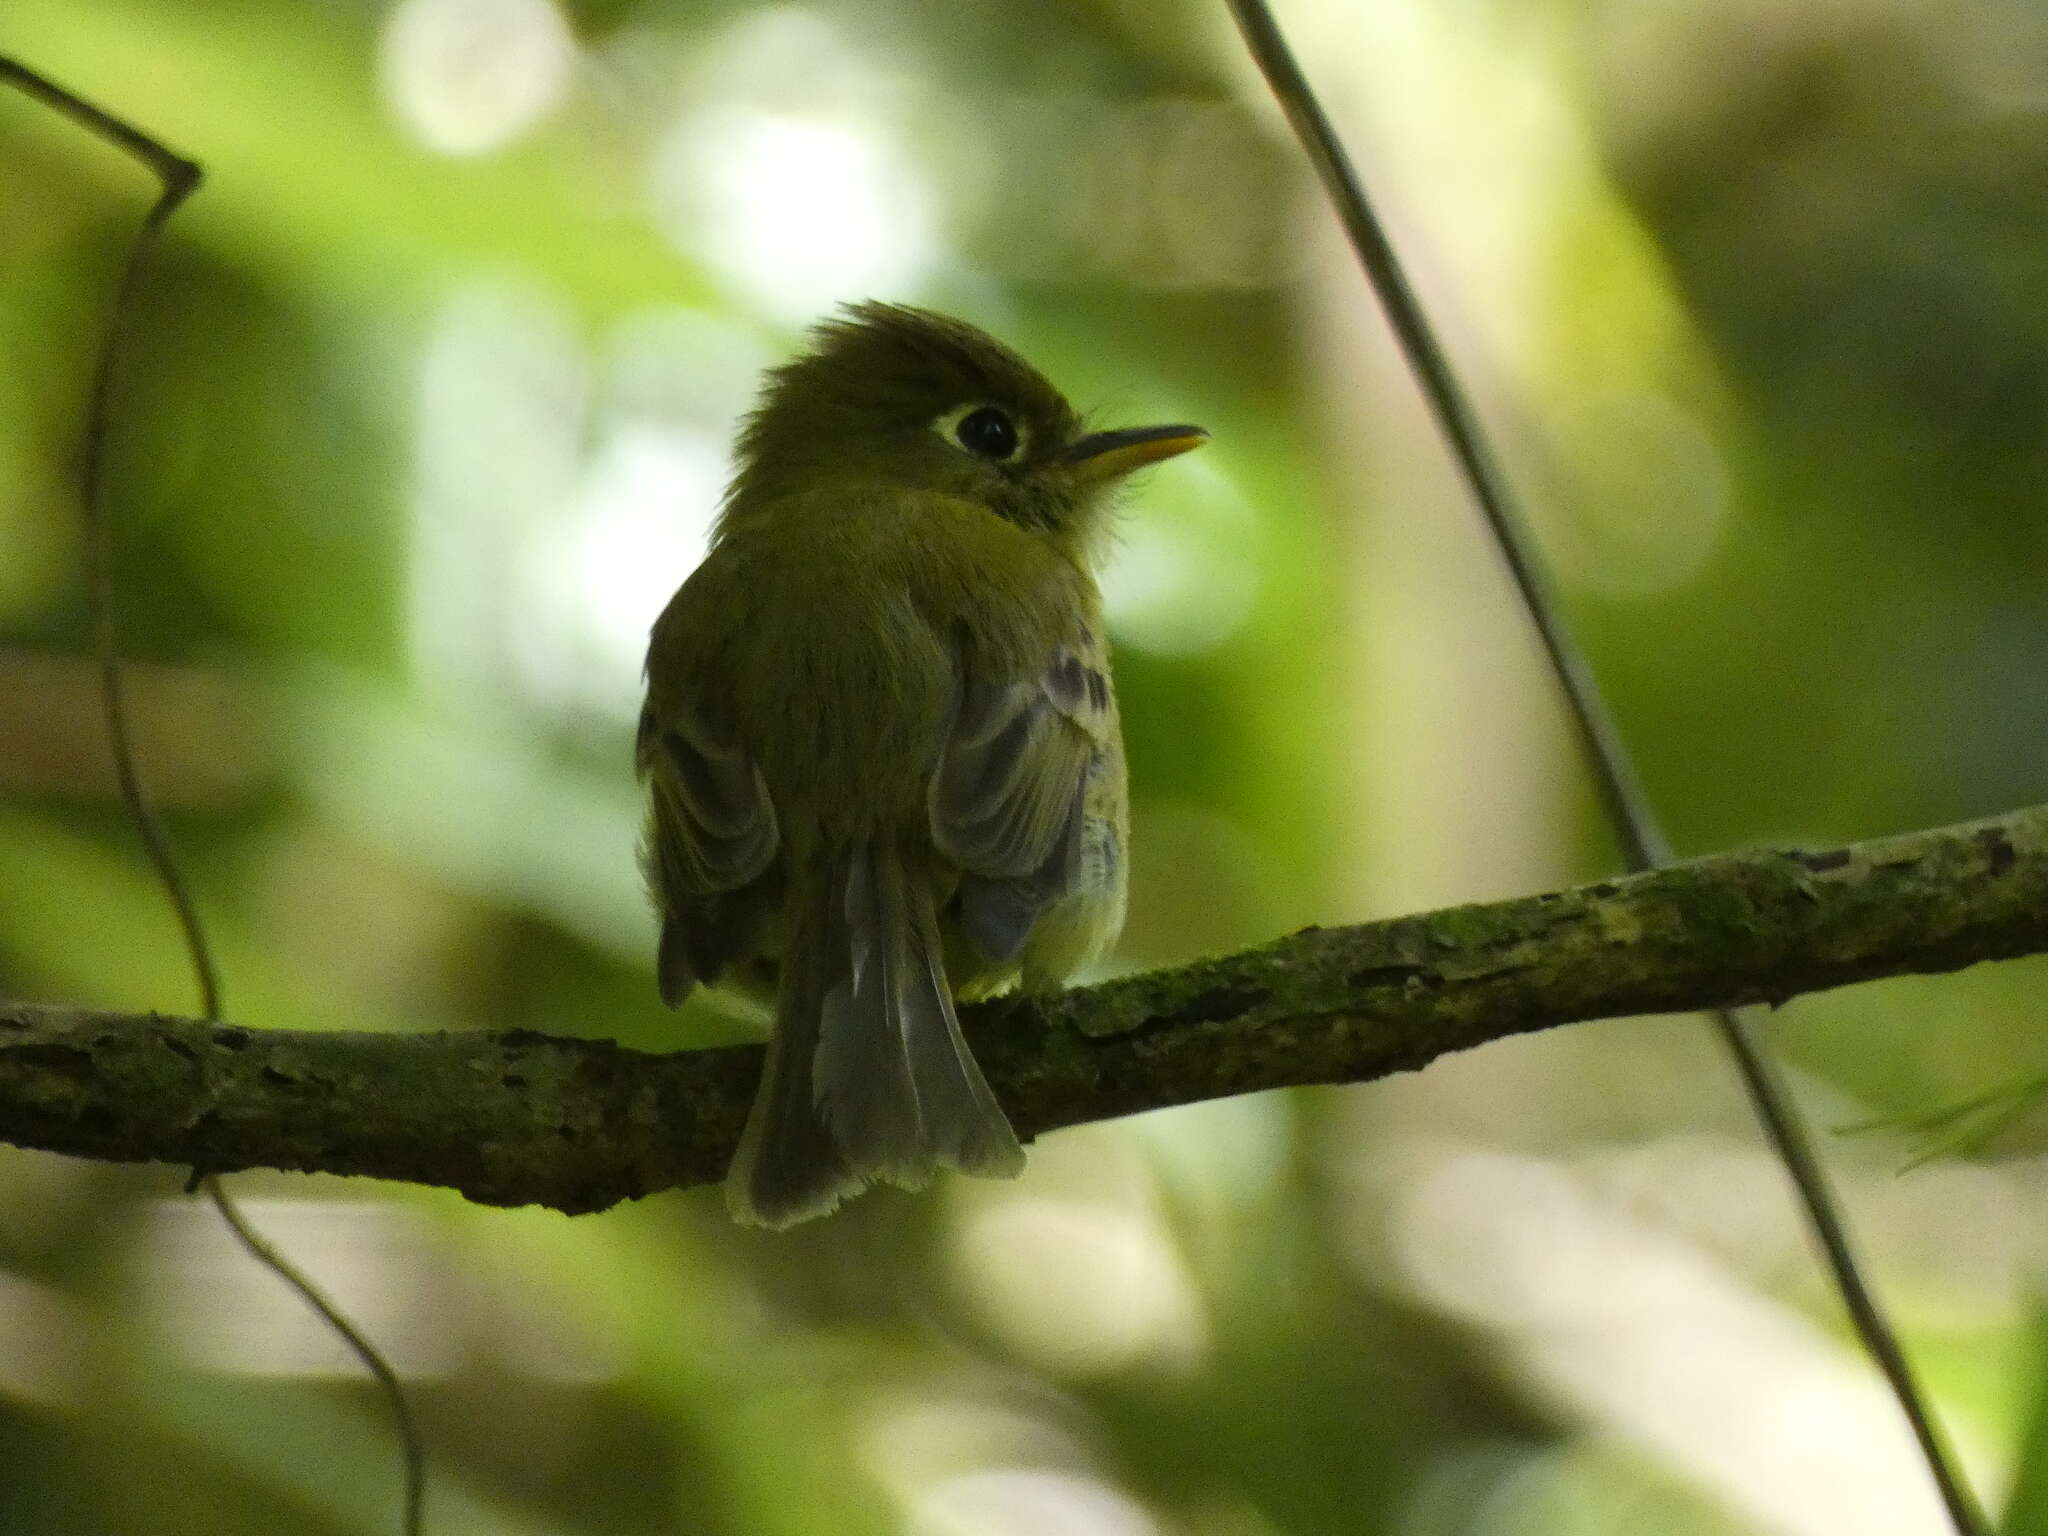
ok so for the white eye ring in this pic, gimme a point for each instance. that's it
(948, 427)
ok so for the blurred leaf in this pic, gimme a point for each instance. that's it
(1963, 1127)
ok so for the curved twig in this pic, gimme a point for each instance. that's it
(178, 178)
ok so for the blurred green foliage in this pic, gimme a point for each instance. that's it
(424, 418)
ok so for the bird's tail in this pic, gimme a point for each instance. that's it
(868, 1076)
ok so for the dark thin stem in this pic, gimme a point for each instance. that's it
(408, 1431)
(1627, 806)
(179, 179)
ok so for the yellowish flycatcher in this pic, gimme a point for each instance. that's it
(881, 745)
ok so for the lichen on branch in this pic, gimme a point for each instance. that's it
(521, 1118)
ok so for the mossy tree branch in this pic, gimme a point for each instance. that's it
(525, 1118)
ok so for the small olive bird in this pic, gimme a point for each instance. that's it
(881, 746)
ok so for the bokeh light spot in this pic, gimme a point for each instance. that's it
(1027, 1501)
(796, 211)
(468, 76)
(1080, 1288)
(1184, 570)
(1646, 494)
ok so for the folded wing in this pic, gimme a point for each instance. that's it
(711, 832)
(1008, 797)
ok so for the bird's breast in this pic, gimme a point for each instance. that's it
(834, 641)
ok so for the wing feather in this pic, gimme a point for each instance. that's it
(1008, 798)
(711, 832)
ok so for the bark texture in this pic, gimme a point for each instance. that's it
(522, 1118)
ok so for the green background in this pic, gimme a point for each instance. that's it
(426, 414)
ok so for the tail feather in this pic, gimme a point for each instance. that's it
(788, 1167)
(864, 1083)
(965, 1128)
(868, 1076)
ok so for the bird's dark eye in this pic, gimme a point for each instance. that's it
(987, 434)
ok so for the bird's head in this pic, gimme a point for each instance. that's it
(900, 398)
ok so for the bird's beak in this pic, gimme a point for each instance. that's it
(1104, 456)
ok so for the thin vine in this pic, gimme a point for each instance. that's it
(1622, 796)
(178, 178)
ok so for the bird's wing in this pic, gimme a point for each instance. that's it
(1007, 798)
(711, 830)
